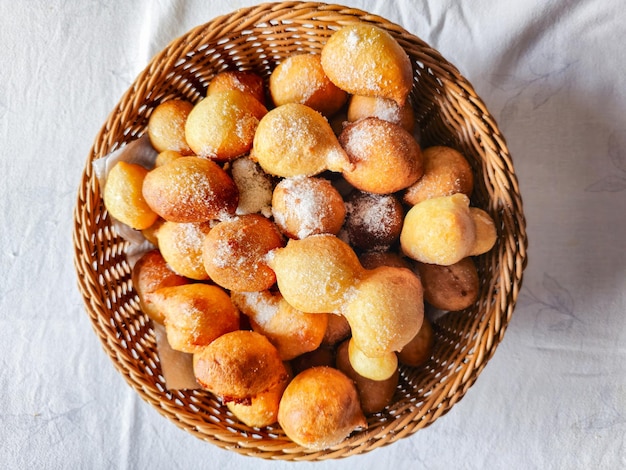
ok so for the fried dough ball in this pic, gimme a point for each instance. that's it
(337, 330)
(446, 172)
(221, 127)
(373, 221)
(166, 156)
(295, 140)
(301, 79)
(166, 126)
(304, 206)
(320, 408)
(452, 287)
(385, 157)
(486, 234)
(439, 230)
(316, 273)
(255, 187)
(292, 332)
(149, 274)
(239, 366)
(418, 350)
(234, 253)
(388, 110)
(385, 310)
(190, 189)
(364, 59)
(374, 368)
(374, 395)
(123, 196)
(181, 246)
(263, 408)
(195, 315)
(242, 80)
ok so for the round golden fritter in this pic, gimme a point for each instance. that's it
(385, 158)
(295, 140)
(149, 274)
(306, 206)
(320, 408)
(239, 366)
(166, 126)
(439, 230)
(221, 127)
(374, 395)
(235, 251)
(195, 315)
(190, 189)
(301, 79)
(446, 172)
(363, 59)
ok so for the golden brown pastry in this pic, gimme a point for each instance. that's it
(234, 253)
(364, 59)
(295, 140)
(304, 206)
(321, 273)
(149, 274)
(301, 79)
(181, 246)
(452, 287)
(388, 110)
(190, 189)
(385, 310)
(373, 221)
(195, 315)
(320, 408)
(439, 230)
(419, 349)
(123, 197)
(374, 395)
(221, 127)
(385, 157)
(292, 332)
(242, 80)
(446, 172)
(239, 366)
(166, 156)
(166, 126)
(263, 408)
(381, 367)
(315, 274)
(486, 234)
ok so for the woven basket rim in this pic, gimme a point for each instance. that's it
(95, 245)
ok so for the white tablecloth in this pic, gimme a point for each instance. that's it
(554, 395)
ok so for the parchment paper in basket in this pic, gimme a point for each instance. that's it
(177, 367)
(141, 152)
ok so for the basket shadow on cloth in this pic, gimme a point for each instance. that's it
(448, 112)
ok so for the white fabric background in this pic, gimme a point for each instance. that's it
(554, 395)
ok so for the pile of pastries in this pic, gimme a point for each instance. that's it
(299, 231)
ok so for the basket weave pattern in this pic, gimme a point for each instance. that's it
(448, 112)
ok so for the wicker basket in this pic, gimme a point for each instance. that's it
(448, 112)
